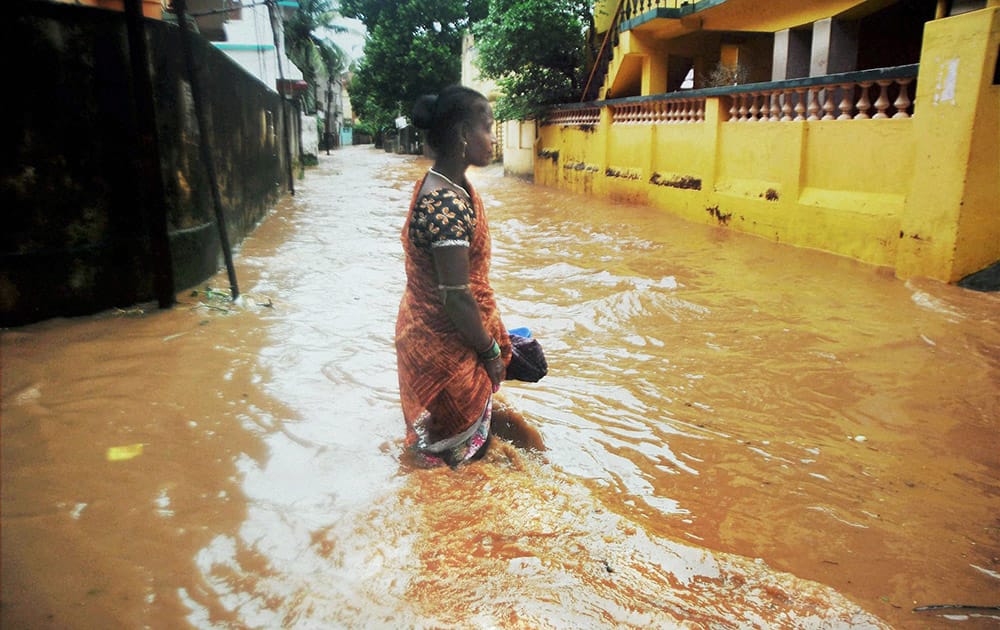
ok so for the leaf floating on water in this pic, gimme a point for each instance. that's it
(123, 453)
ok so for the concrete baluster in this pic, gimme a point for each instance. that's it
(813, 106)
(753, 106)
(775, 106)
(864, 104)
(902, 102)
(800, 105)
(846, 104)
(765, 111)
(828, 106)
(786, 106)
(882, 102)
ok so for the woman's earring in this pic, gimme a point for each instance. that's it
(465, 148)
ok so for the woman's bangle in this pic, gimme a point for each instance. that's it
(490, 353)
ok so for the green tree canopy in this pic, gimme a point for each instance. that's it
(535, 50)
(414, 47)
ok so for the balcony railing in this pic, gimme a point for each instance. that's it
(625, 13)
(881, 93)
(638, 12)
(574, 117)
(635, 8)
(844, 99)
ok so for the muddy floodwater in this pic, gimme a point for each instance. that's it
(739, 433)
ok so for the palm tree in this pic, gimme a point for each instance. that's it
(309, 48)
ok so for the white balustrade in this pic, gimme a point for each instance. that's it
(570, 117)
(681, 110)
(821, 102)
(836, 101)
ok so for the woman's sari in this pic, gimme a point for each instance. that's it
(445, 392)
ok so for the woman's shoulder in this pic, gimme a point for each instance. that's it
(441, 216)
(441, 194)
(434, 199)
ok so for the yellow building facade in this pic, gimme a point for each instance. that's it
(848, 129)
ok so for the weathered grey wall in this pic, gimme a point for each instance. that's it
(73, 238)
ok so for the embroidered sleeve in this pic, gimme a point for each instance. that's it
(442, 218)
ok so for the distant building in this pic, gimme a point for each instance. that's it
(333, 104)
(471, 78)
(246, 35)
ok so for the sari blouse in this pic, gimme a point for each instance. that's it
(438, 371)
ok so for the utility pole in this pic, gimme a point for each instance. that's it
(329, 112)
(278, 30)
(151, 185)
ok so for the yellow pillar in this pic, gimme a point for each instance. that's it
(713, 118)
(951, 220)
(602, 142)
(654, 74)
(729, 55)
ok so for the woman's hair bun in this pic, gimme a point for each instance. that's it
(423, 111)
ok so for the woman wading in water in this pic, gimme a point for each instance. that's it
(452, 348)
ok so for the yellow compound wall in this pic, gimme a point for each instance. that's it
(920, 194)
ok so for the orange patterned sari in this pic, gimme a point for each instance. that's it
(441, 382)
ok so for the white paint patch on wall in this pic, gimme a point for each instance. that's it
(944, 89)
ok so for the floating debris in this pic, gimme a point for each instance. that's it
(123, 453)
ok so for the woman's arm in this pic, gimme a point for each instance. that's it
(452, 266)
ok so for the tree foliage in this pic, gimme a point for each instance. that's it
(535, 50)
(307, 45)
(413, 47)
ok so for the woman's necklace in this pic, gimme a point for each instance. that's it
(448, 179)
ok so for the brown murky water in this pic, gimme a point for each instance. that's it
(740, 434)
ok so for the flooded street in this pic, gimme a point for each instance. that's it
(740, 434)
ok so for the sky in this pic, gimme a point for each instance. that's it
(353, 41)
